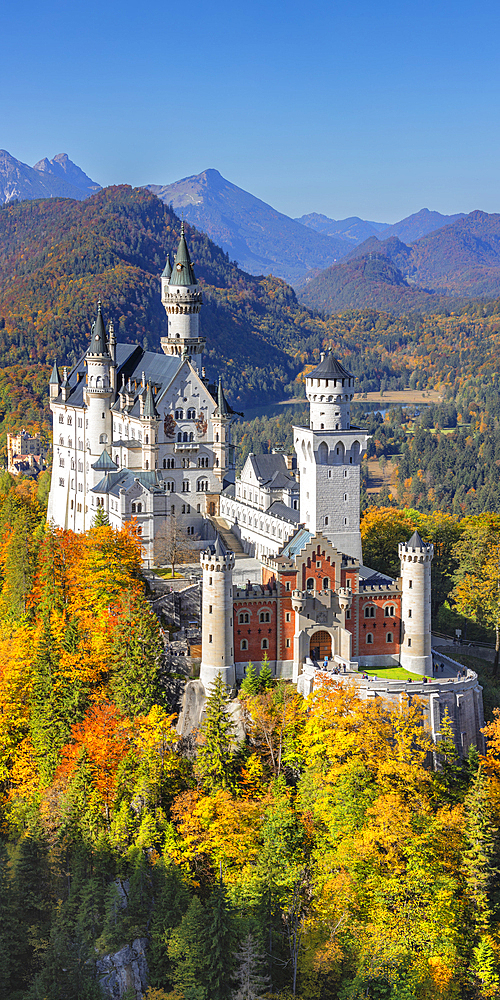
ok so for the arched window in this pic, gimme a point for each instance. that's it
(389, 637)
(147, 439)
(179, 436)
(409, 612)
(323, 453)
(117, 459)
(139, 508)
(191, 414)
(179, 414)
(389, 611)
(191, 436)
(264, 644)
(243, 644)
(133, 508)
(370, 611)
(185, 436)
(369, 638)
(327, 521)
(310, 583)
(326, 583)
(147, 465)
(164, 463)
(103, 439)
(244, 618)
(264, 616)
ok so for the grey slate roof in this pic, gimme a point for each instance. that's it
(54, 378)
(149, 403)
(167, 270)
(329, 367)
(285, 513)
(267, 466)
(182, 271)
(416, 542)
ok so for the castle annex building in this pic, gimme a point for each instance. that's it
(139, 434)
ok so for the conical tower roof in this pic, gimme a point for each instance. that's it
(167, 270)
(222, 407)
(149, 404)
(182, 273)
(416, 542)
(98, 340)
(54, 378)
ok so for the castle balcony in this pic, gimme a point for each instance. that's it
(186, 446)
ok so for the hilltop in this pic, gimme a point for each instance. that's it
(440, 270)
(261, 239)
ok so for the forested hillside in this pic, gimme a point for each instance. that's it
(322, 857)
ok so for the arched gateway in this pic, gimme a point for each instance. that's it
(320, 645)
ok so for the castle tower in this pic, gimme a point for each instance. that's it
(329, 455)
(416, 557)
(98, 391)
(149, 424)
(55, 382)
(181, 297)
(217, 615)
(223, 450)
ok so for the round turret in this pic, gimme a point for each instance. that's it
(99, 388)
(416, 557)
(330, 389)
(182, 300)
(217, 656)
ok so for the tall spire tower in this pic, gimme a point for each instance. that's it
(181, 297)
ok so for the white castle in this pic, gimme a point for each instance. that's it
(142, 435)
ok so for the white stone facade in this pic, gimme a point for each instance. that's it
(416, 557)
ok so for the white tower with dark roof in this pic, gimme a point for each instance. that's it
(99, 389)
(217, 615)
(416, 558)
(182, 299)
(329, 455)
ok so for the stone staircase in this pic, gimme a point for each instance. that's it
(230, 540)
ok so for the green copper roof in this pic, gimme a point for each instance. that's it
(105, 463)
(167, 270)
(182, 272)
(149, 403)
(98, 341)
(54, 378)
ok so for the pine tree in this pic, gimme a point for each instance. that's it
(188, 949)
(100, 519)
(215, 758)
(171, 903)
(220, 934)
(250, 684)
(7, 927)
(32, 902)
(477, 857)
(250, 983)
(265, 677)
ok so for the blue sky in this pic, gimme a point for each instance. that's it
(346, 108)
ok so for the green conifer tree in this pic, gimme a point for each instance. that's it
(250, 684)
(100, 519)
(188, 949)
(265, 677)
(215, 759)
(171, 903)
(220, 941)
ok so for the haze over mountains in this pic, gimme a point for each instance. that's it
(56, 178)
(459, 261)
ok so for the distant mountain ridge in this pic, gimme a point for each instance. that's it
(56, 178)
(460, 260)
(261, 239)
(358, 230)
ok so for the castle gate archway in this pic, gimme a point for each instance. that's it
(320, 645)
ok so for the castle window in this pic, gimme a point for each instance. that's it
(389, 637)
(103, 439)
(210, 638)
(288, 616)
(71, 505)
(185, 437)
(80, 422)
(326, 583)
(179, 436)
(202, 486)
(369, 639)
(264, 644)
(310, 584)
(61, 418)
(288, 643)
(264, 616)
(327, 521)
(69, 421)
(348, 613)
(61, 439)
(147, 465)
(185, 486)
(370, 611)
(409, 612)
(346, 497)
(346, 473)
(410, 584)
(346, 521)
(350, 460)
(179, 414)
(243, 644)
(389, 611)
(61, 482)
(244, 618)
(287, 585)
(147, 437)
(210, 609)
(139, 508)
(61, 461)
(217, 438)
(191, 414)
(139, 531)
(409, 642)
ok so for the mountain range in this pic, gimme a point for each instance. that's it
(439, 270)
(358, 230)
(56, 178)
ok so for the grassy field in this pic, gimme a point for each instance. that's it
(399, 397)
(166, 573)
(390, 673)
